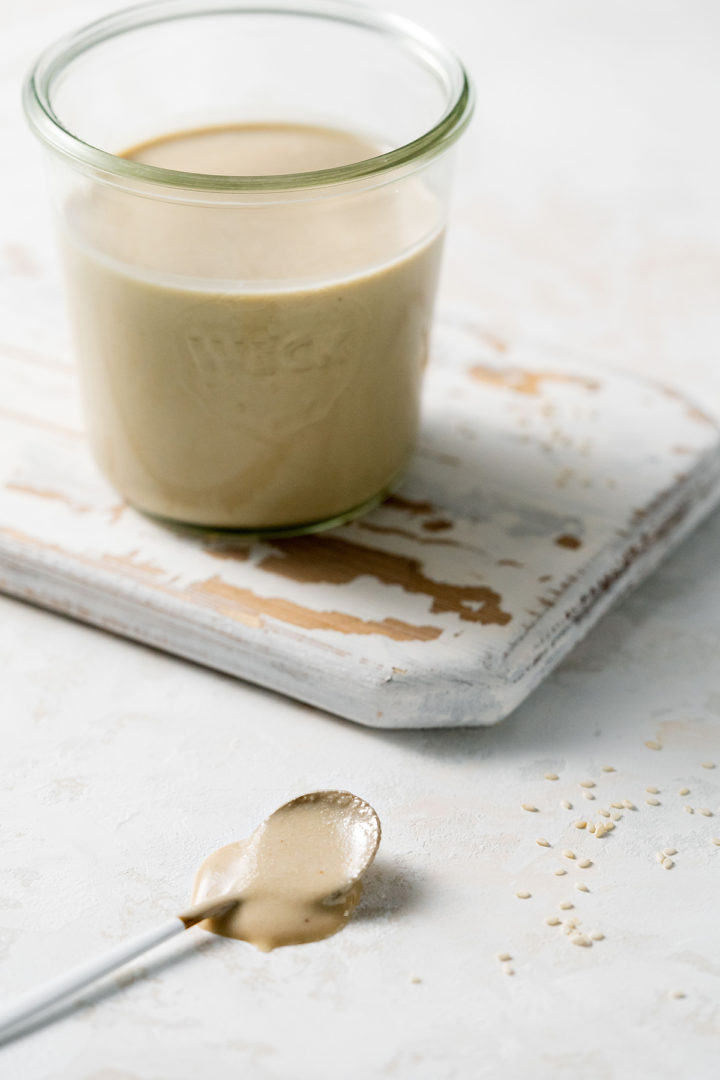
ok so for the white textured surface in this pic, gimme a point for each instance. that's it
(587, 215)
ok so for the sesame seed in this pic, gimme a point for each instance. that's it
(716, 841)
(581, 886)
(668, 864)
(653, 790)
(581, 939)
(616, 815)
(601, 829)
(522, 894)
(660, 856)
(581, 824)
(587, 783)
(591, 827)
(560, 871)
(588, 795)
(416, 979)
(508, 969)
(688, 809)
(652, 801)
(569, 854)
(705, 812)
(678, 994)
(570, 925)
(652, 745)
(584, 863)
(566, 905)
(684, 791)
(566, 804)
(707, 764)
(552, 920)
(608, 768)
(603, 812)
(670, 851)
(617, 805)
(628, 805)
(608, 826)
(551, 776)
(529, 807)
(542, 842)
(597, 935)
(503, 957)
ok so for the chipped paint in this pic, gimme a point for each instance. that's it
(520, 381)
(572, 543)
(333, 561)
(239, 602)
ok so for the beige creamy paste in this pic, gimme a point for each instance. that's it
(298, 877)
(253, 366)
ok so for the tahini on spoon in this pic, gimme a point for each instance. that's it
(360, 837)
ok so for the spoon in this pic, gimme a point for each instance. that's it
(278, 870)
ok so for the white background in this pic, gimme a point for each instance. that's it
(586, 214)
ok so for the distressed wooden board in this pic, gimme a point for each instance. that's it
(541, 490)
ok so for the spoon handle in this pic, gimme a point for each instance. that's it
(62, 986)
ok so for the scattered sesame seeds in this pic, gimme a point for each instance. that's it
(508, 969)
(522, 894)
(585, 863)
(581, 824)
(588, 795)
(617, 805)
(688, 809)
(559, 871)
(597, 935)
(581, 939)
(652, 801)
(565, 905)
(716, 841)
(628, 805)
(653, 790)
(529, 807)
(551, 776)
(503, 957)
(668, 864)
(670, 851)
(678, 994)
(581, 886)
(684, 791)
(542, 842)
(602, 828)
(569, 854)
(552, 920)
(705, 812)
(566, 804)
(587, 783)
(608, 768)
(603, 812)
(707, 764)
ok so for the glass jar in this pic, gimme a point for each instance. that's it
(250, 341)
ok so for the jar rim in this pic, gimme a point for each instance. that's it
(47, 126)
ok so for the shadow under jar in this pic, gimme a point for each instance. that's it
(251, 204)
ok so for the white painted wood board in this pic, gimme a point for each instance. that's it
(541, 490)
